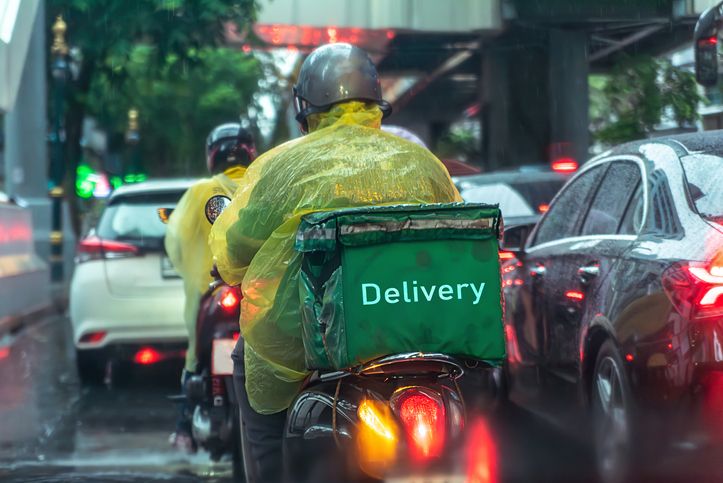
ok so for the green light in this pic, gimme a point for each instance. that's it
(84, 187)
(135, 177)
(116, 182)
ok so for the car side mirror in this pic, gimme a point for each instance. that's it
(705, 43)
(164, 214)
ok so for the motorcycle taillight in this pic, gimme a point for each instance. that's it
(695, 289)
(423, 417)
(230, 298)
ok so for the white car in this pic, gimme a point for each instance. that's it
(126, 300)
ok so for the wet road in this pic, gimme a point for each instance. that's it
(52, 430)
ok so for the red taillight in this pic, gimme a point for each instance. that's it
(695, 290)
(708, 41)
(93, 337)
(543, 208)
(504, 255)
(95, 248)
(423, 418)
(236, 335)
(574, 295)
(146, 356)
(230, 298)
(564, 165)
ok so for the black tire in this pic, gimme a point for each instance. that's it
(613, 417)
(237, 454)
(91, 365)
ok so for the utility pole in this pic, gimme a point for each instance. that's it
(60, 73)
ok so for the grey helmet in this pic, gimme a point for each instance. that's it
(335, 73)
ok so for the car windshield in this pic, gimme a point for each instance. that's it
(704, 178)
(524, 198)
(135, 217)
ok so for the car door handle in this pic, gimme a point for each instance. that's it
(538, 270)
(588, 272)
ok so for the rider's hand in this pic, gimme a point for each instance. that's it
(215, 274)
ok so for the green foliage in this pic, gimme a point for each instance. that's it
(179, 102)
(459, 143)
(111, 40)
(635, 97)
(108, 30)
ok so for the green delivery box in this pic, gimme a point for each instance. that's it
(384, 280)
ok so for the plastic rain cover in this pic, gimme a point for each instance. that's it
(186, 244)
(345, 161)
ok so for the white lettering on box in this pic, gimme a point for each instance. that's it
(408, 293)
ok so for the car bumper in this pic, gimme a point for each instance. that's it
(124, 320)
(680, 382)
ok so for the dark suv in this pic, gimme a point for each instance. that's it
(614, 307)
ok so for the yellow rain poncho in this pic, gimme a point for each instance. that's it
(345, 161)
(187, 245)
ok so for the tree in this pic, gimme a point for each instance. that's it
(177, 106)
(460, 142)
(106, 32)
(637, 95)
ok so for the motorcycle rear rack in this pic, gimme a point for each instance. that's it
(404, 364)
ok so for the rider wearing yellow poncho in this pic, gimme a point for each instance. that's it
(344, 161)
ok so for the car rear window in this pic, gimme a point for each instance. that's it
(704, 179)
(134, 218)
(520, 198)
(538, 193)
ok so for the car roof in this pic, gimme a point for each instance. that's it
(512, 176)
(707, 142)
(154, 186)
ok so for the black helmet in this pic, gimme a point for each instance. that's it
(335, 73)
(229, 145)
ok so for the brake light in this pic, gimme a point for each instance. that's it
(423, 417)
(564, 165)
(96, 248)
(543, 208)
(93, 337)
(575, 295)
(230, 298)
(481, 454)
(504, 255)
(146, 356)
(695, 290)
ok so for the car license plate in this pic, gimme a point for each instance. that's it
(167, 270)
(221, 363)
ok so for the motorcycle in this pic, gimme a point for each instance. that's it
(402, 415)
(209, 393)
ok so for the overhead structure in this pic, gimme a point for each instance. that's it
(519, 67)
(16, 24)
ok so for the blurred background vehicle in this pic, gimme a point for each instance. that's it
(126, 300)
(615, 304)
(523, 194)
